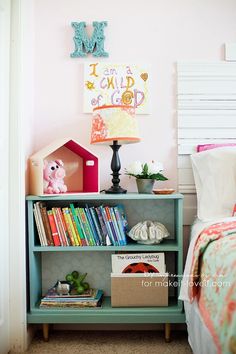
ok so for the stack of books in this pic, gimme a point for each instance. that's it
(77, 226)
(92, 298)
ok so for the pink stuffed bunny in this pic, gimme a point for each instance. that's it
(53, 174)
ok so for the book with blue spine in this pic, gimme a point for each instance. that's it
(104, 216)
(92, 227)
(102, 224)
(121, 210)
(109, 218)
(115, 223)
(97, 225)
(120, 225)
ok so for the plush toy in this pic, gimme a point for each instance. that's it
(53, 174)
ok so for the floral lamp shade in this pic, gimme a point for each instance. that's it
(114, 123)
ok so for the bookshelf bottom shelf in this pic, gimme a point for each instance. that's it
(173, 313)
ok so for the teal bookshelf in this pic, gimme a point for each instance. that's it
(166, 209)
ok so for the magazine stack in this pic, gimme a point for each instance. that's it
(91, 298)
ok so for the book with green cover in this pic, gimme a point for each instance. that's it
(92, 226)
(77, 222)
(65, 213)
(86, 227)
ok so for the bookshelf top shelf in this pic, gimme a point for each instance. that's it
(103, 196)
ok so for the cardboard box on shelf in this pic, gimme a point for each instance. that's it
(139, 290)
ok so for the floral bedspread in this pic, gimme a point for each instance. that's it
(213, 283)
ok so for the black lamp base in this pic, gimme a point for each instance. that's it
(118, 190)
(115, 166)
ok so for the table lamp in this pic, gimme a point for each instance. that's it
(114, 125)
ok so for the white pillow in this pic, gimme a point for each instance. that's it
(215, 179)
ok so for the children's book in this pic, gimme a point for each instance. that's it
(55, 235)
(105, 235)
(46, 225)
(123, 217)
(86, 227)
(92, 226)
(66, 214)
(61, 229)
(115, 223)
(86, 239)
(77, 235)
(64, 227)
(138, 263)
(39, 228)
(97, 225)
(78, 226)
(62, 241)
(41, 225)
(112, 226)
(120, 225)
(106, 222)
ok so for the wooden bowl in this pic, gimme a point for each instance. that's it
(163, 191)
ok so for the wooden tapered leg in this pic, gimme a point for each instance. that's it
(167, 332)
(45, 332)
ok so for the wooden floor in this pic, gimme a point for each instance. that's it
(113, 342)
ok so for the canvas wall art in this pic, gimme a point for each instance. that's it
(112, 84)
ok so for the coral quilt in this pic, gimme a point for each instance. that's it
(213, 282)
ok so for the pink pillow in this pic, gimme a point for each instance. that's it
(205, 147)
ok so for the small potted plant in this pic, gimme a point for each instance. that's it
(146, 174)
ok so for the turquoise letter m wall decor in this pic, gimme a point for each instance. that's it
(84, 45)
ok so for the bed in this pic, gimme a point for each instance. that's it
(209, 282)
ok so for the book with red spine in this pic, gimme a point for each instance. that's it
(59, 227)
(64, 227)
(55, 235)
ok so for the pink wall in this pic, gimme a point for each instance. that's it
(158, 34)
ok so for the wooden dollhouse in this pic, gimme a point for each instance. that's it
(80, 164)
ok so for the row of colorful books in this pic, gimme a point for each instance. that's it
(77, 226)
(53, 300)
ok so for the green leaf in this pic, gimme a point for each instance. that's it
(159, 177)
(145, 171)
